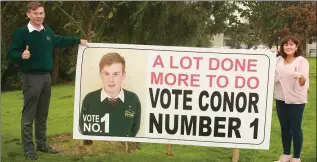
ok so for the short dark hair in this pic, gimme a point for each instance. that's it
(34, 5)
(293, 38)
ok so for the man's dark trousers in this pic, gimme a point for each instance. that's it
(36, 92)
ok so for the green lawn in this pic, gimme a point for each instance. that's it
(61, 121)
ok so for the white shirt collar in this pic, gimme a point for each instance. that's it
(104, 95)
(32, 28)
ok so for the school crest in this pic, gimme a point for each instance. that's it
(129, 113)
(48, 38)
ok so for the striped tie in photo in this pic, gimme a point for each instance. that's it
(113, 100)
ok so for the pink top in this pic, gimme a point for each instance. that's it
(288, 88)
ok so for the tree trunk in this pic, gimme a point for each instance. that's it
(89, 27)
(55, 71)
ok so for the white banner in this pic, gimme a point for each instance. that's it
(191, 96)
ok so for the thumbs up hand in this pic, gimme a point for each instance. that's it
(26, 53)
(297, 75)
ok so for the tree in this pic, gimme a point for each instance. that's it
(273, 20)
(242, 33)
(155, 23)
(85, 20)
(265, 19)
(302, 21)
(10, 11)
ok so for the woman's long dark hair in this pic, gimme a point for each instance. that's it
(298, 52)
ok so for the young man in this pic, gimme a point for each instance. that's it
(31, 48)
(116, 111)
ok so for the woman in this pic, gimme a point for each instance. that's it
(291, 85)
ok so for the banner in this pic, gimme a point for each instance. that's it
(175, 95)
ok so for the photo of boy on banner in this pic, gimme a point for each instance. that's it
(111, 110)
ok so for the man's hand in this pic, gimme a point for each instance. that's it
(84, 42)
(26, 53)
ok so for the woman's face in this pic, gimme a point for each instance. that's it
(290, 48)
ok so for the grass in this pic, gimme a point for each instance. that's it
(61, 121)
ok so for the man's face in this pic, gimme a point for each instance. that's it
(36, 16)
(112, 77)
